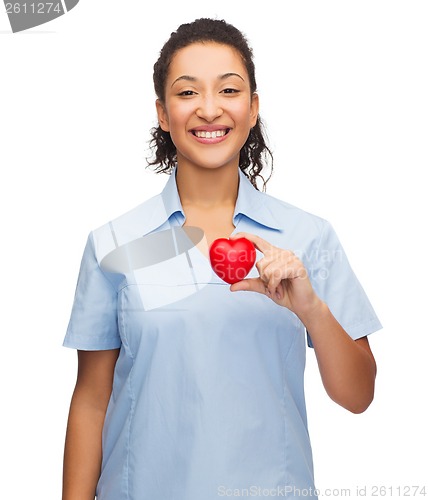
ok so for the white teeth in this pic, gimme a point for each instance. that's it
(210, 135)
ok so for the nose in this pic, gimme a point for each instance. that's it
(209, 108)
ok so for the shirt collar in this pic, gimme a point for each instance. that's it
(250, 202)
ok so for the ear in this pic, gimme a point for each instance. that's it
(162, 116)
(254, 108)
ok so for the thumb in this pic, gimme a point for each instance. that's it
(249, 284)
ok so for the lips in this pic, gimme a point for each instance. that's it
(210, 134)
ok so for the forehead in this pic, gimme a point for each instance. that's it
(206, 59)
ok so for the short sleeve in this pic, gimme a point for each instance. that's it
(337, 285)
(93, 323)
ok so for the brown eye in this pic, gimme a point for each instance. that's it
(186, 93)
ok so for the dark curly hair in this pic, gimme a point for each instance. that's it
(255, 153)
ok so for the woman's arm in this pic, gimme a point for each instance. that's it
(347, 366)
(82, 453)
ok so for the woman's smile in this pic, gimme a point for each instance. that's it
(210, 134)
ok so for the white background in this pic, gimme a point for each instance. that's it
(343, 91)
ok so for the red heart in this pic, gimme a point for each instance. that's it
(232, 260)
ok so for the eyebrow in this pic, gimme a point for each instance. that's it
(189, 78)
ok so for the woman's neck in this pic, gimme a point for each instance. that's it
(207, 188)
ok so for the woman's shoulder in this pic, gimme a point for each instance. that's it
(134, 222)
(287, 213)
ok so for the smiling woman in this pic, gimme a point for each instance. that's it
(188, 386)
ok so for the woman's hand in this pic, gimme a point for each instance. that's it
(283, 278)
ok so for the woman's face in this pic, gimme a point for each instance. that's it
(209, 108)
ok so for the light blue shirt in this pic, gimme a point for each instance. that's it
(208, 398)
